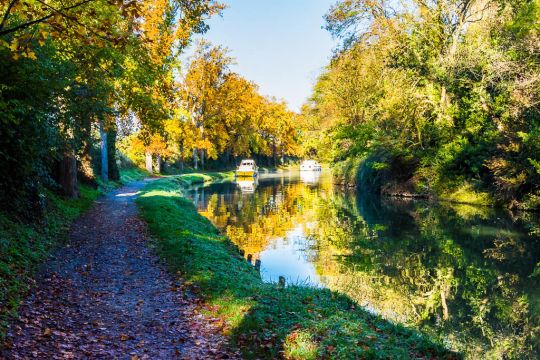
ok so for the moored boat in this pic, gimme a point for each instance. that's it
(310, 165)
(247, 167)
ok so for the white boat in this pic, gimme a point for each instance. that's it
(247, 168)
(310, 165)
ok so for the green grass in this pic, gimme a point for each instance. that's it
(264, 320)
(466, 194)
(201, 178)
(23, 245)
(132, 174)
(127, 175)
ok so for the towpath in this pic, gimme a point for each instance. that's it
(106, 295)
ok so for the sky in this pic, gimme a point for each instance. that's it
(278, 44)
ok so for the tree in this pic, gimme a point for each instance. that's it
(432, 94)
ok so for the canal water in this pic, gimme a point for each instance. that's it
(468, 276)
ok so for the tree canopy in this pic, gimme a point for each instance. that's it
(440, 95)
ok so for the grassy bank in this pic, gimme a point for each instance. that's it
(23, 245)
(264, 320)
(201, 178)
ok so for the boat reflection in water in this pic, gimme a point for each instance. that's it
(247, 184)
(310, 177)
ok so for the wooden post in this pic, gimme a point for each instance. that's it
(258, 265)
(249, 258)
(281, 281)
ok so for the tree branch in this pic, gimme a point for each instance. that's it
(6, 15)
(41, 19)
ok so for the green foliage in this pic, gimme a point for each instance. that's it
(449, 85)
(263, 319)
(69, 67)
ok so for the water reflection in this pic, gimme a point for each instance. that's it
(310, 177)
(458, 273)
(247, 184)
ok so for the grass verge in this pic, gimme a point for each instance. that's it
(265, 320)
(24, 245)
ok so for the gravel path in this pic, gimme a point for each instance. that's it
(105, 295)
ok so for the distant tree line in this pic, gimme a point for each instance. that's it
(216, 116)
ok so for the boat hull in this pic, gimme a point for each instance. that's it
(246, 173)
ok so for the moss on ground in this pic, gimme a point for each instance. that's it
(265, 320)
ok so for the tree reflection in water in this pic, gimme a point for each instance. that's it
(456, 272)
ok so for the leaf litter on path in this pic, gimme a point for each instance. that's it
(106, 295)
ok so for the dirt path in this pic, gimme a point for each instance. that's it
(105, 295)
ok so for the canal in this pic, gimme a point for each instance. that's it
(468, 276)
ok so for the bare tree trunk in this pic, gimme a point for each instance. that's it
(195, 158)
(158, 164)
(113, 170)
(202, 159)
(86, 171)
(104, 155)
(274, 154)
(228, 157)
(68, 175)
(443, 302)
(149, 162)
(181, 159)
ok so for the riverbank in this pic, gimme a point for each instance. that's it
(265, 320)
(24, 245)
(400, 179)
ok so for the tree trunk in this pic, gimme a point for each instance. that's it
(114, 172)
(68, 175)
(86, 170)
(181, 158)
(443, 303)
(149, 162)
(104, 156)
(158, 164)
(228, 158)
(202, 159)
(195, 158)
(274, 152)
